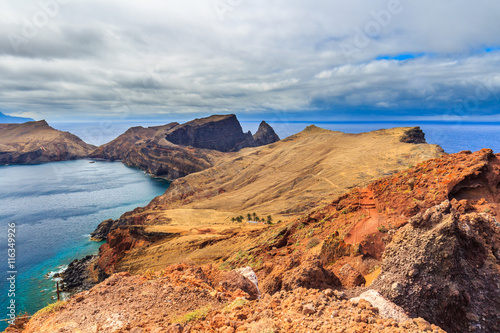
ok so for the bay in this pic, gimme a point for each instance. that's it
(55, 207)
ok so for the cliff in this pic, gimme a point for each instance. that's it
(119, 147)
(222, 133)
(37, 142)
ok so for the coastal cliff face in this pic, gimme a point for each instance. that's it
(37, 142)
(168, 160)
(222, 133)
(176, 150)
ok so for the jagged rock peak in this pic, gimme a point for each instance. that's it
(265, 134)
(218, 132)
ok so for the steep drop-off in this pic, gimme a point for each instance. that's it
(176, 150)
(37, 142)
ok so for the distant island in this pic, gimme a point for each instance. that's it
(5, 119)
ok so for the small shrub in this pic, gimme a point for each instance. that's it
(313, 242)
(236, 304)
(382, 229)
(193, 316)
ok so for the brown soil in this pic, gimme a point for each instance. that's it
(188, 299)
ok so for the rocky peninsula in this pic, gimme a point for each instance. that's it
(36, 142)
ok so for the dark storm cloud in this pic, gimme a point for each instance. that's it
(67, 58)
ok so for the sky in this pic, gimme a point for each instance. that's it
(333, 60)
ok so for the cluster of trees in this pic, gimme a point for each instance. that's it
(253, 217)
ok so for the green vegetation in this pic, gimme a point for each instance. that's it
(195, 315)
(382, 229)
(235, 305)
(253, 217)
(51, 308)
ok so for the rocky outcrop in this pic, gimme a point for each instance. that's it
(445, 267)
(103, 229)
(77, 277)
(295, 272)
(234, 281)
(265, 135)
(414, 135)
(37, 142)
(222, 133)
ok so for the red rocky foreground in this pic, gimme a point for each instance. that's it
(183, 298)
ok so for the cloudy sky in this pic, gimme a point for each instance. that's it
(341, 59)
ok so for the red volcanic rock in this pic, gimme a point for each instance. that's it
(350, 278)
(445, 267)
(233, 281)
(293, 272)
(184, 298)
(465, 175)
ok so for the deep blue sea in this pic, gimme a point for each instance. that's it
(55, 206)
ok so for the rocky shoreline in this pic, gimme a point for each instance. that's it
(78, 276)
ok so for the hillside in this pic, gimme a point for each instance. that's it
(427, 238)
(184, 298)
(37, 142)
(193, 219)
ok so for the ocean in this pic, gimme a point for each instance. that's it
(55, 207)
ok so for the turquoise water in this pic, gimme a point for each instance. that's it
(55, 207)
